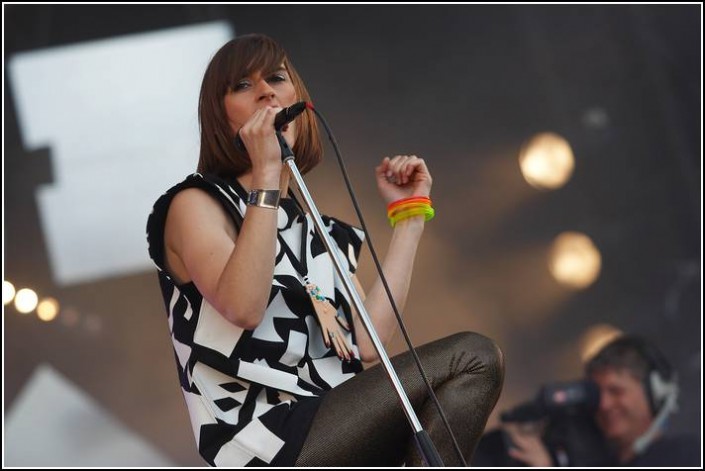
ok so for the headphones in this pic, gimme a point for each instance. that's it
(660, 381)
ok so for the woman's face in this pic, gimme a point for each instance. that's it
(257, 91)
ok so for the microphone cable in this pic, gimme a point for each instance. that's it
(431, 393)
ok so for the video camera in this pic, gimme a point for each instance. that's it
(562, 413)
(568, 398)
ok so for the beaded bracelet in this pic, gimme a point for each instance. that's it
(410, 207)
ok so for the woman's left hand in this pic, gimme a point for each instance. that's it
(403, 176)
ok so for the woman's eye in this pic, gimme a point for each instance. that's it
(277, 78)
(241, 85)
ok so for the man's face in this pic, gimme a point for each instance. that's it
(624, 412)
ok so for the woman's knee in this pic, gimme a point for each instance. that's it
(486, 353)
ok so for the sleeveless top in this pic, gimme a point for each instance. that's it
(252, 394)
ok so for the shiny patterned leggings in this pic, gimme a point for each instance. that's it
(361, 423)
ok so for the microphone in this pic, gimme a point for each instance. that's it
(287, 115)
(281, 119)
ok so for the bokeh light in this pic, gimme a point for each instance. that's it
(547, 161)
(48, 309)
(575, 261)
(595, 338)
(8, 292)
(25, 300)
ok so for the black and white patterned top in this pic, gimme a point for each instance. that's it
(252, 394)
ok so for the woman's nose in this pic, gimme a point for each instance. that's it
(265, 90)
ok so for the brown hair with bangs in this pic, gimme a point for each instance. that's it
(239, 58)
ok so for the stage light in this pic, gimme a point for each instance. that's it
(47, 309)
(8, 292)
(546, 161)
(69, 316)
(92, 324)
(25, 300)
(574, 260)
(595, 338)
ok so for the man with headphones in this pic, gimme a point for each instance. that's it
(638, 393)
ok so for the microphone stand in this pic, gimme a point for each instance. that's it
(423, 440)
